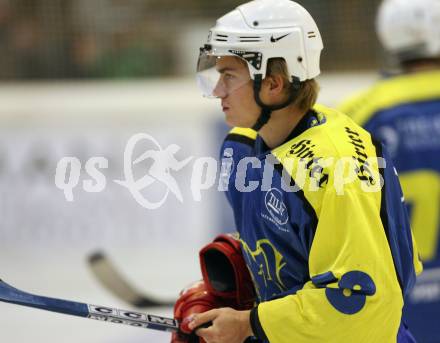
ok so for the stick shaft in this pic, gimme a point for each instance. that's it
(13, 295)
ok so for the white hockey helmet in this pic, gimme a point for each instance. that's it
(410, 29)
(258, 31)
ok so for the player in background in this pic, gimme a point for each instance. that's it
(322, 225)
(403, 111)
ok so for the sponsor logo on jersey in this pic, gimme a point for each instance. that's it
(276, 206)
(303, 150)
(362, 167)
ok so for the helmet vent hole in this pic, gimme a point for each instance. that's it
(221, 38)
(250, 39)
(300, 59)
(255, 23)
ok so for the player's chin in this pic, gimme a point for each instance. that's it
(229, 118)
(235, 121)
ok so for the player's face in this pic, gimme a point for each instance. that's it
(235, 89)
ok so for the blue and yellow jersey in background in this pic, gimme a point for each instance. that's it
(404, 113)
(330, 250)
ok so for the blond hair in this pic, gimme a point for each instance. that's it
(307, 94)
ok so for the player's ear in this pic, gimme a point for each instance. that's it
(274, 84)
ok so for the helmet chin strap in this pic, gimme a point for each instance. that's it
(267, 110)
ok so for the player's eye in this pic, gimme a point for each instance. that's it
(228, 76)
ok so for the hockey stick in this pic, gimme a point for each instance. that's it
(112, 279)
(12, 295)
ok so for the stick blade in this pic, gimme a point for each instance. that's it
(109, 277)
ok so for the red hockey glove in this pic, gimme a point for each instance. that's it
(193, 299)
(226, 274)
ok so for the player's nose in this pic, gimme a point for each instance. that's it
(219, 90)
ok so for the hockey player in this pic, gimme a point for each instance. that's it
(322, 226)
(404, 112)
